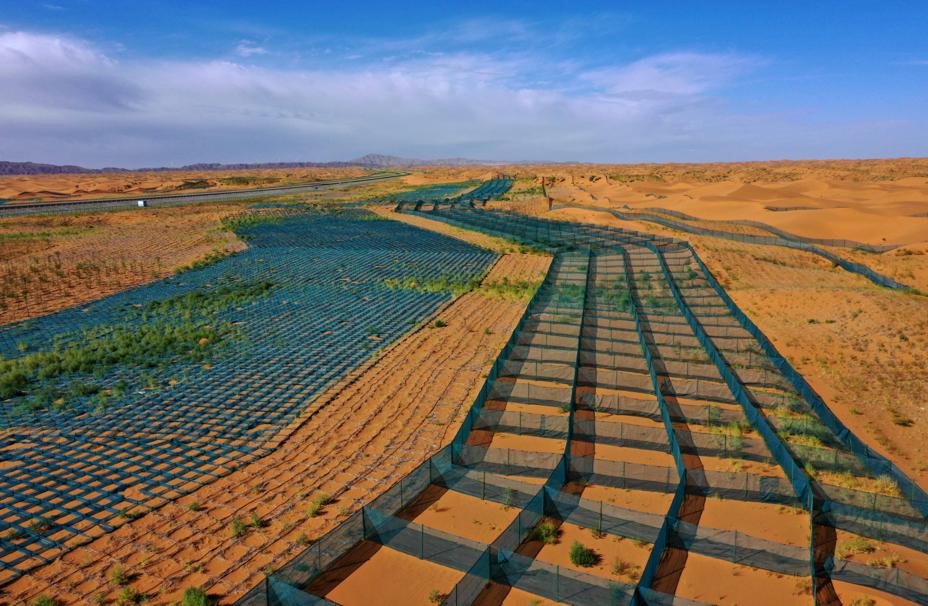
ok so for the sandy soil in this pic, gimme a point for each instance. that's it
(122, 184)
(867, 201)
(855, 595)
(375, 581)
(504, 595)
(864, 349)
(57, 261)
(460, 514)
(53, 262)
(735, 584)
(631, 556)
(353, 442)
(503, 440)
(772, 522)
(627, 498)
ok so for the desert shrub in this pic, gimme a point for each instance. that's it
(119, 576)
(439, 323)
(854, 546)
(128, 596)
(580, 555)
(44, 600)
(545, 531)
(317, 503)
(195, 596)
(621, 567)
(435, 596)
(256, 521)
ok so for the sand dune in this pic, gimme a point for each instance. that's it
(875, 201)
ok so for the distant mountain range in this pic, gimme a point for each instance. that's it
(368, 161)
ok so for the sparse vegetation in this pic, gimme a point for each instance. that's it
(185, 327)
(514, 290)
(454, 285)
(854, 546)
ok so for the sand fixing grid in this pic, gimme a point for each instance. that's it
(104, 439)
(636, 410)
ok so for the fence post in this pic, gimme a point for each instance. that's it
(421, 541)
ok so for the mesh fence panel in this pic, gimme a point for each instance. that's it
(558, 583)
(604, 517)
(892, 580)
(740, 548)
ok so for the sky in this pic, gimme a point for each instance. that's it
(144, 83)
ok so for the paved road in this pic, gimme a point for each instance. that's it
(64, 206)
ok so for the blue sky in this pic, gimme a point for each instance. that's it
(167, 83)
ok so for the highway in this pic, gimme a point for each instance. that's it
(63, 206)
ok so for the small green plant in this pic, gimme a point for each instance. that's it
(195, 506)
(119, 576)
(44, 600)
(128, 596)
(439, 323)
(435, 596)
(195, 596)
(256, 521)
(239, 528)
(302, 540)
(583, 556)
(317, 503)
(545, 531)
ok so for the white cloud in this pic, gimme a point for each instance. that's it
(673, 74)
(247, 48)
(66, 101)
